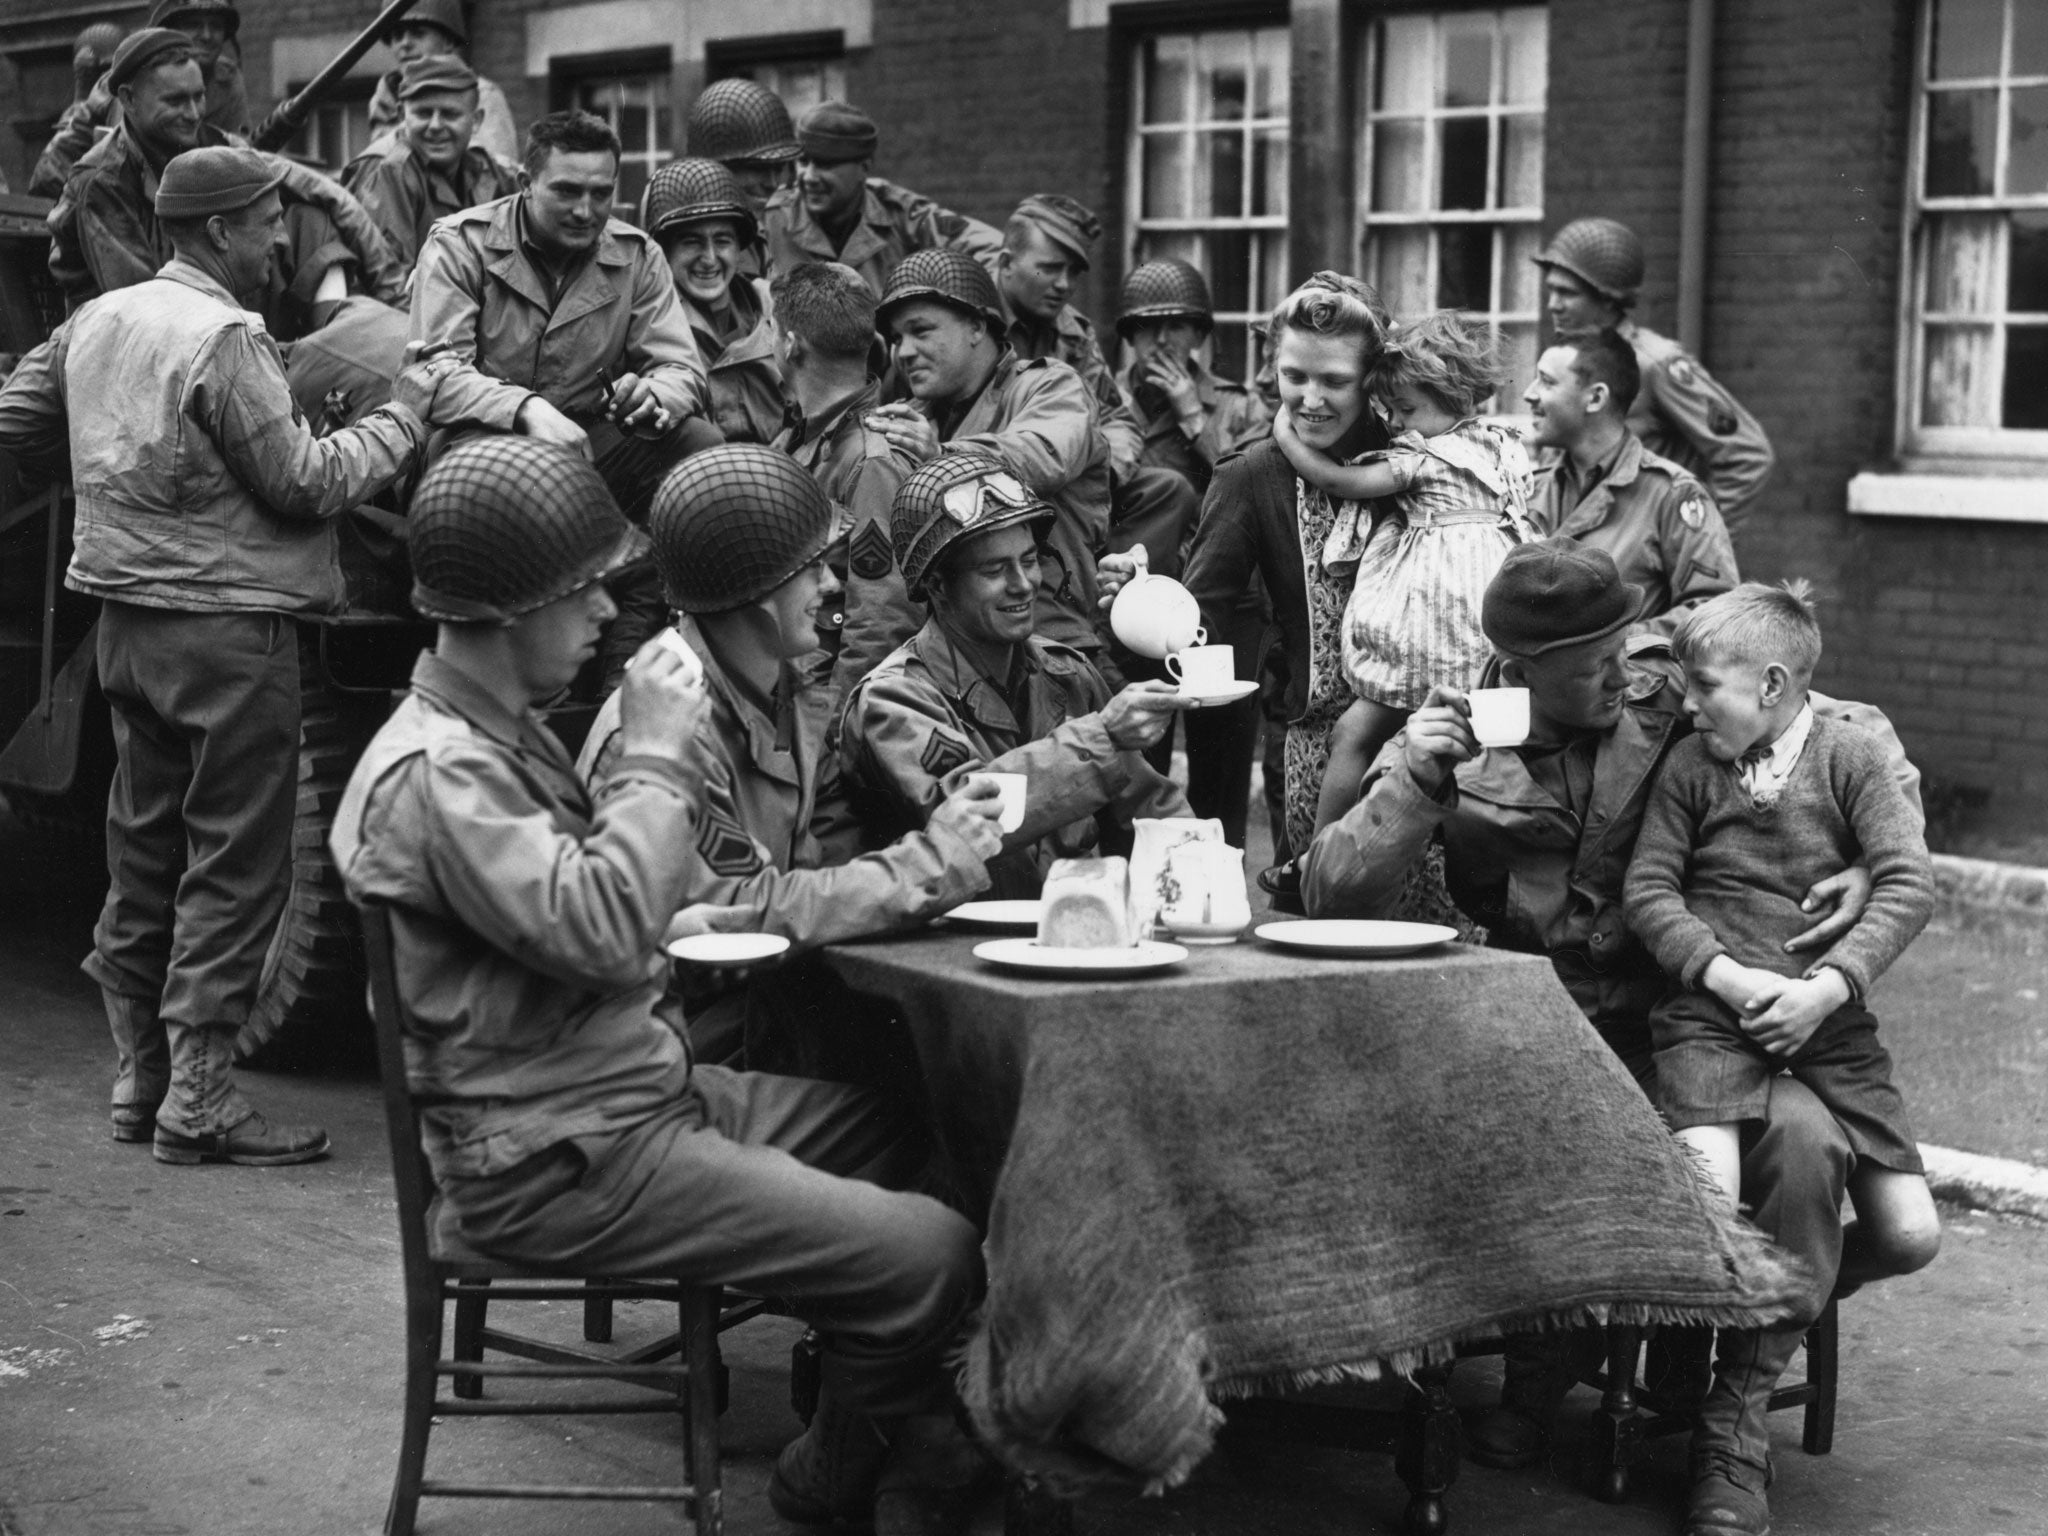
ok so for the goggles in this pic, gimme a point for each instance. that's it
(969, 501)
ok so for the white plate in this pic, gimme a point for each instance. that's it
(1356, 936)
(996, 914)
(728, 948)
(1229, 695)
(1029, 955)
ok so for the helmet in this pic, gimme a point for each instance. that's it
(1603, 254)
(1164, 290)
(685, 191)
(168, 13)
(445, 14)
(739, 120)
(733, 523)
(948, 276)
(503, 525)
(955, 496)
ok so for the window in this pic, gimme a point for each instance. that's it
(1452, 201)
(338, 129)
(803, 68)
(1977, 344)
(637, 107)
(1208, 171)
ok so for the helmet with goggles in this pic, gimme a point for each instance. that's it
(957, 496)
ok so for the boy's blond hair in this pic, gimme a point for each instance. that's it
(1754, 623)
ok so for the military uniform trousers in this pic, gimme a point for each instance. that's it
(199, 829)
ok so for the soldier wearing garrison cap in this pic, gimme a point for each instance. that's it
(1188, 417)
(432, 166)
(206, 523)
(438, 29)
(741, 535)
(838, 212)
(975, 690)
(1537, 840)
(562, 1112)
(1592, 276)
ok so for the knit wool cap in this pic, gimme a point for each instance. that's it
(1556, 592)
(168, 13)
(502, 525)
(1064, 221)
(833, 131)
(738, 119)
(139, 50)
(216, 178)
(733, 523)
(437, 72)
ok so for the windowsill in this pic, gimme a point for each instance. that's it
(2005, 496)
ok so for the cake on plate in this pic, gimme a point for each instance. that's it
(1087, 905)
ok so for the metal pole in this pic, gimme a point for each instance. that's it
(1695, 176)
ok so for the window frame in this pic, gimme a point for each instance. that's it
(1981, 449)
(742, 58)
(348, 95)
(569, 75)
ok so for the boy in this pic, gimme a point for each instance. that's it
(1746, 814)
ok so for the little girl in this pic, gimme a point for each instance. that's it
(1460, 489)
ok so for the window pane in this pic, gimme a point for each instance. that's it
(2030, 38)
(1229, 347)
(2026, 150)
(1271, 287)
(1461, 180)
(1222, 63)
(1962, 137)
(1228, 268)
(1168, 63)
(1398, 185)
(2026, 378)
(1269, 73)
(1526, 38)
(1269, 172)
(1468, 60)
(1521, 281)
(2027, 264)
(1398, 263)
(1166, 164)
(1219, 175)
(1967, 34)
(1518, 362)
(632, 182)
(1404, 65)
(1962, 270)
(1957, 388)
(1464, 266)
(1521, 162)
(1181, 244)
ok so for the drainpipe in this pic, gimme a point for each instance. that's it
(1695, 175)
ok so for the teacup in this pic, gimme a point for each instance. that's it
(1156, 616)
(1500, 716)
(1010, 790)
(1203, 669)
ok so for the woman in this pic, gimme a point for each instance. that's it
(976, 689)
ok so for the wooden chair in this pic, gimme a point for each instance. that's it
(440, 1270)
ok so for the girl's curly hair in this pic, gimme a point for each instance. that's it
(1448, 353)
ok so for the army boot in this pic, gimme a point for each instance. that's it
(1731, 1450)
(205, 1119)
(1540, 1369)
(142, 1064)
(826, 1476)
(934, 1479)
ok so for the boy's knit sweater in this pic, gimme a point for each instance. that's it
(1713, 874)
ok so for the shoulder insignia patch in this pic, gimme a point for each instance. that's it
(943, 753)
(870, 554)
(1682, 371)
(725, 846)
(1694, 511)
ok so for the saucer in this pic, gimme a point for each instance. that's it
(728, 948)
(1227, 695)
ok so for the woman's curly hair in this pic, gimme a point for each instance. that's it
(1331, 304)
(1449, 354)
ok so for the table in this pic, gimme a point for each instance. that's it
(1265, 1169)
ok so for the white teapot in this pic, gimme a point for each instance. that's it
(1206, 901)
(1155, 615)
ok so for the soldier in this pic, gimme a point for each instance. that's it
(1188, 417)
(563, 1118)
(431, 167)
(740, 536)
(104, 231)
(206, 520)
(435, 29)
(1034, 414)
(92, 103)
(696, 210)
(825, 330)
(1606, 490)
(975, 689)
(838, 212)
(1592, 273)
(746, 128)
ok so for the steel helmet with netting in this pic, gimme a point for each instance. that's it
(1165, 289)
(685, 191)
(953, 278)
(733, 523)
(1604, 254)
(956, 496)
(503, 525)
(740, 120)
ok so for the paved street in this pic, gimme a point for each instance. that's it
(217, 1350)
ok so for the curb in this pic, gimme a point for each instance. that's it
(2015, 890)
(2000, 1184)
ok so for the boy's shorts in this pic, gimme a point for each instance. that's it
(1709, 1072)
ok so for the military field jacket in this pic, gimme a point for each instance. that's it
(894, 222)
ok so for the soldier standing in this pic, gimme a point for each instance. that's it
(1189, 418)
